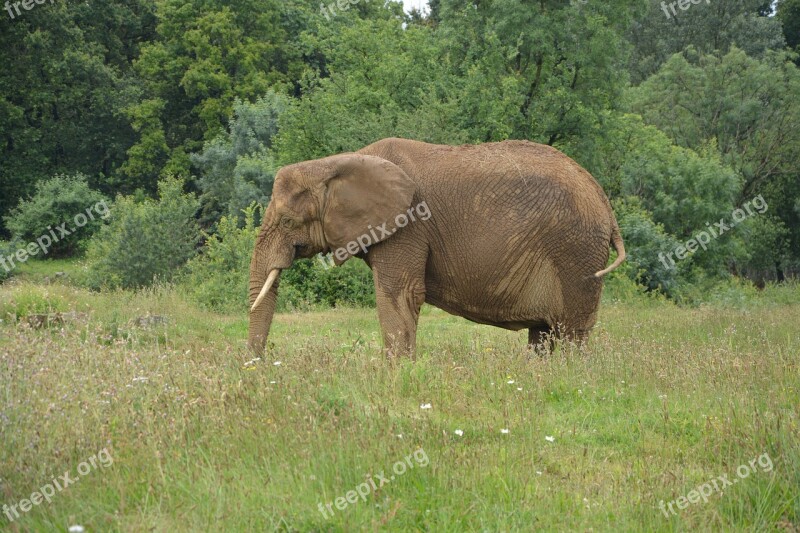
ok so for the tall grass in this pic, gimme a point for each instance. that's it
(203, 438)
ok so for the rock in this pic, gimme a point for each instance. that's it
(38, 321)
(48, 280)
(149, 321)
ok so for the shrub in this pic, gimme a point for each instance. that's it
(644, 241)
(5, 269)
(31, 299)
(621, 287)
(66, 200)
(767, 248)
(218, 277)
(312, 282)
(145, 240)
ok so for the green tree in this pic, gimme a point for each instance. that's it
(789, 16)
(747, 108)
(63, 91)
(236, 168)
(767, 251)
(647, 244)
(205, 56)
(486, 72)
(382, 83)
(679, 189)
(657, 33)
(544, 71)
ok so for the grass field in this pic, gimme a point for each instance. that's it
(663, 400)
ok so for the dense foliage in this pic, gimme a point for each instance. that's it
(6, 250)
(311, 283)
(62, 214)
(218, 278)
(145, 240)
(684, 116)
(236, 167)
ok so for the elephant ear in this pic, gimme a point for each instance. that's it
(363, 193)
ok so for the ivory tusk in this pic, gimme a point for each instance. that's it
(273, 275)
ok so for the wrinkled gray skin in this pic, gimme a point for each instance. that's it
(517, 235)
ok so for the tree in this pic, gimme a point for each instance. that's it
(62, 93)
(236, 167)
(484, 73)
(383, 81)
(544, 71)
(789, 16)
(680, 189)
(205, 56)
(708, 27)
(748, 108)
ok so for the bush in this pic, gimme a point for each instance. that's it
(5, 268)
(30, 300)
(145, 240)
(62, 200)
(621, 287)
(644, 241)
(767, 248)
(313, 283)
(218, 278)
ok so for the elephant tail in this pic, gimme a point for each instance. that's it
(619, 246)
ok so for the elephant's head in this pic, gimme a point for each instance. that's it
(318, 207)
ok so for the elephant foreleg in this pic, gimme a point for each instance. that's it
(399, 294)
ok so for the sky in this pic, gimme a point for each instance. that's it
(408, 5)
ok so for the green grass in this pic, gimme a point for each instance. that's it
(662, 400)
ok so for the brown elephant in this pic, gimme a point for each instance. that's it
(513, 234)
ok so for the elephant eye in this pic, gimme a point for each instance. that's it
(287, 223)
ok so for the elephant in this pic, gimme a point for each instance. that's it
(513, 234)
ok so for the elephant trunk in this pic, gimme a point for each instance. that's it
(262, 306)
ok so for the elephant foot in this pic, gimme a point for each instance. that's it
(541, 339)
(400, 345)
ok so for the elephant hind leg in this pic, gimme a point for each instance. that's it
(577, 336)
(578, 331)
(541, 338)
